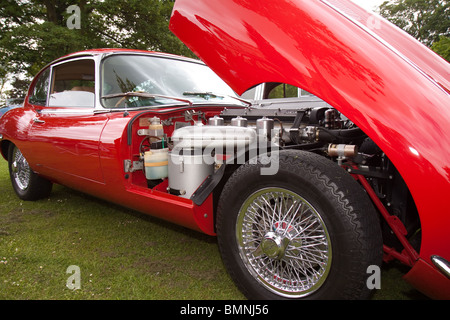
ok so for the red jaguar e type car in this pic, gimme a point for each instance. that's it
(307, 196)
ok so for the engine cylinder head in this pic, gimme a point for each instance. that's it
(216, 121)
(239, 122)
(264, 126)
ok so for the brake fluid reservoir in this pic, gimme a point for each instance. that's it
(156, 164)
(155, 128)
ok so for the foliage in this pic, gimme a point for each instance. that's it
(442, 47)
(35, 32)
(426, 20)
(137, 24)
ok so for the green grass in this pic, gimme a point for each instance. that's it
(121, 254)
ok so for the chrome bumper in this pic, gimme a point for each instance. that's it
(442, 264)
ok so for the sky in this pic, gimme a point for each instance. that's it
(369, 4)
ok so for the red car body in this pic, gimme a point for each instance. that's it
(395, 89)
(390, 86)
(88, 146)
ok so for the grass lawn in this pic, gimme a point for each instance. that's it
(121, 254)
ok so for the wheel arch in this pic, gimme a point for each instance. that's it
(4, 148)
(342, 195)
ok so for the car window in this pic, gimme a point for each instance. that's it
(159, 76)
(274, 90)
(73, 84)
(40, 90)
(281, 90)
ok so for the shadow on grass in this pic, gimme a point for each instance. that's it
(393, 287)
(61, 192)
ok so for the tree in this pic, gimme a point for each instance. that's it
(426, 20)
(442, 47)
(35, 32)
(137, 24)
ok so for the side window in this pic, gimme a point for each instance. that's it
(274, 90)
(73, 84)
(40, 90)
(306, 93)
(282, 90)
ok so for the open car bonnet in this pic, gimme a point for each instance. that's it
(394, 88)
(302, 42)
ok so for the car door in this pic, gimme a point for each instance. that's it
(66, 130)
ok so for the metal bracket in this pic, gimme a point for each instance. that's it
(208, 186)
(132, 166)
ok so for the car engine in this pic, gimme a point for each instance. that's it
(196, 149)
(186, 155)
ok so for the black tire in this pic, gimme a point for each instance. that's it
(281, 257)
(26, 183)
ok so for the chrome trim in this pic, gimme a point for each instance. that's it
(37, 120)
(167, 107)
(67, 110)
(442, 264)
(1, 137)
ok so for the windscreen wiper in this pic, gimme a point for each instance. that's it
(207, 95)
(144, 95)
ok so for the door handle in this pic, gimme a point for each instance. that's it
(37, 120)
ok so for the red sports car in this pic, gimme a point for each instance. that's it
(307, 196)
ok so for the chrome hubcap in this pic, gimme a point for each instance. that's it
(273, 245)
(20, 170)
(283, 242)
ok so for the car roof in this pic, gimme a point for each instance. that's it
(110, 51)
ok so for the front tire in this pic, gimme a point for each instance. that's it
(307, 232)
(26, 183)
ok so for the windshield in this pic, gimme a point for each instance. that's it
(161, 77)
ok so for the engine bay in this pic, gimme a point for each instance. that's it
(188, 147)
(185, 153)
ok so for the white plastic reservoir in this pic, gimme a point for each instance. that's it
(156, 164)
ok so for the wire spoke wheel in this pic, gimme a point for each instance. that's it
(283, 242)
(26, 183)
(20, 170)
(308, 231)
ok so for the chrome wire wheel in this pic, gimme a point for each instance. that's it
(27, 184)
(20, 170)
(283, 242)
